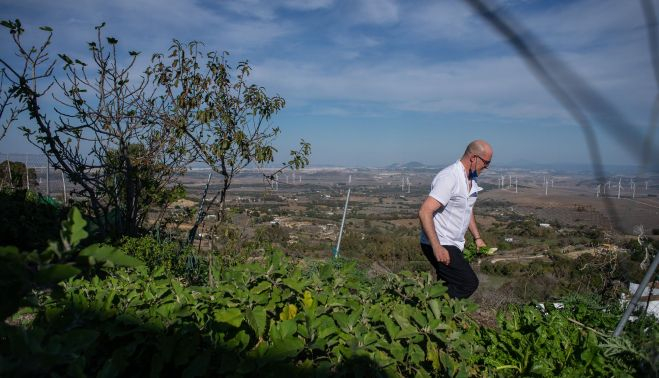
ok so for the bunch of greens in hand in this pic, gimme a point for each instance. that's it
(471, 251)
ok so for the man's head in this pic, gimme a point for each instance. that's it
(477, 156)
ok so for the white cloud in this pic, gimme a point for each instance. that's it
(494, 86)
(267, 9)
(308, 4)
(584, 24)
(376, 12)
(450, 20)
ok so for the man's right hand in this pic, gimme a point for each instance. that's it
(442, 255)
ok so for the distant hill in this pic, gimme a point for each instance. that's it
(412, 165)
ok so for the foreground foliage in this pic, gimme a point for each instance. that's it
(266, 316)
(271, 317)
(274, 317)
(24, 273)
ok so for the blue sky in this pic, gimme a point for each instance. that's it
(375, 82)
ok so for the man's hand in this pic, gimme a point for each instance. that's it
(480, 243)
(442, 255)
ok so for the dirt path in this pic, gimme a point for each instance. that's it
(572, 255)
(515, 258)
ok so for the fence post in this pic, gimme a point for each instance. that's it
(11, 181)
(64, 187)
(27, 174)
(47, 176)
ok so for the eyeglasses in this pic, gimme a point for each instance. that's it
(487, 162)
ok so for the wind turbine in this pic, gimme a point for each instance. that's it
(598, 191)
(408, 183)
(619, 182)
(343, 220)
(515, 184)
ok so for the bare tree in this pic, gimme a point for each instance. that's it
(108, 130)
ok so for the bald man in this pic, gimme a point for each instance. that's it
(446, 215)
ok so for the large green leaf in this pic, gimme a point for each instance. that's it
(401, 315)
(261, 287)
(325, 326)
(287, 328)
(419, 318)
(286, 348)
(73, 228)
(397, 350)
(256, 318)
(103, 253)
(436, 308)
(231, 316)
(294, 284)
(391, 328)
(342, 320)
(56, 273)
(238, 342)
(416, 354)
(407, 332)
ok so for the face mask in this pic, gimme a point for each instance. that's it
(472, 175)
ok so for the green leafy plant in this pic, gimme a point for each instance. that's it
(551, 342)
(21, 271)
(471, 251)
(267, 316)
(173, 257)
(24, 212)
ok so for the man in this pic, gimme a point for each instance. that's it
(446, 215)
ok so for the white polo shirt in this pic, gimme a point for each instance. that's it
(451, 221)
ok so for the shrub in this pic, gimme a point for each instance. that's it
(28, 219)
(176, 259)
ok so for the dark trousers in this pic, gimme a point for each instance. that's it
(460, 279)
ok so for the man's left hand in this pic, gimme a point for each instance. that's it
(480, 243)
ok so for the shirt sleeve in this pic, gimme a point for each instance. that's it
(442, 188)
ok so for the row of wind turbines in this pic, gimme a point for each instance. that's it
(602, 188)
(274, 184)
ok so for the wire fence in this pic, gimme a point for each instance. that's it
(36, 175)
(649, 301)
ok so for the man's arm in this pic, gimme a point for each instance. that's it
(473, 228)
(426, 213)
